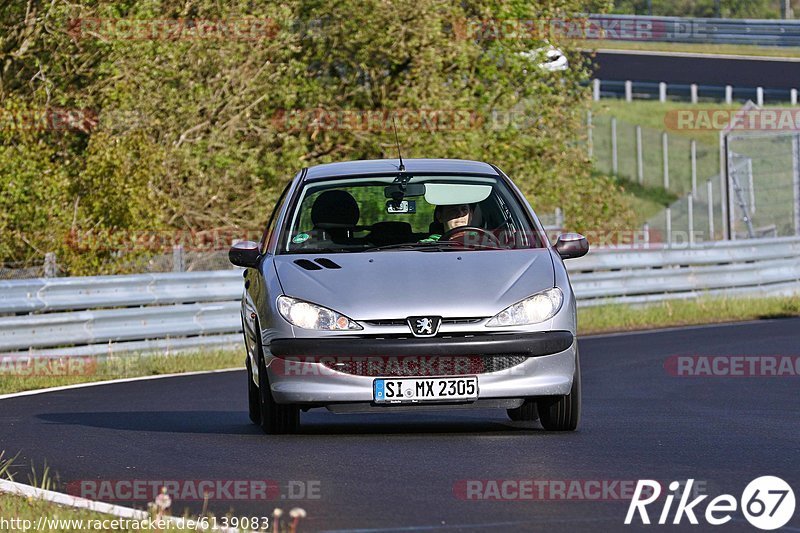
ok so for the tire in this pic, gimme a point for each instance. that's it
(253, 401)
(524, 413)
(276, 419)
(562, 413)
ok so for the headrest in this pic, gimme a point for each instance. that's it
(335, 207)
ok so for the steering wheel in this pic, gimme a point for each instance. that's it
(447, 235)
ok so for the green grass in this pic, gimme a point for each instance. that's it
(87, 369)
(733, 49)
(646, 202)
(652, 114)
(612, 318)
(57, 518)
(26, 509)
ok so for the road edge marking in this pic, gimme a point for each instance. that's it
(34, 392)
(27, 491)
(665, 329)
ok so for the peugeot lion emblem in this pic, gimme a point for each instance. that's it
(424, 326)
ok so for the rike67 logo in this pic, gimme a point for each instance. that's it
(767, 503)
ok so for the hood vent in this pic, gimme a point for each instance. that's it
(308, 265)
(327, 263)
(311, 265)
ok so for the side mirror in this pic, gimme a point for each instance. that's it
(244, 254)
(571, 245)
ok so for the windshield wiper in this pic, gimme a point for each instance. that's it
(438, 246)
(323, 250)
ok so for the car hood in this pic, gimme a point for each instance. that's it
(397, 284)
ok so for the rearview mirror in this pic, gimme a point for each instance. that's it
(571, 245)
(244, 254)
(412, 189)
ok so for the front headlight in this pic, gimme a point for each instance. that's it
(531, 310)
(311, 316)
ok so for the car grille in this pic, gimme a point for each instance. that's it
(425, 365)
(403, 322)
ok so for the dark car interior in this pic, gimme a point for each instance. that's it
(335, 217)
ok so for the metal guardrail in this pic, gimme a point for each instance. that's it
(169, 312)
(695, 30)
(58, 294)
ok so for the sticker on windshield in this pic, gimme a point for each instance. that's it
(404, 206)
(300, 238)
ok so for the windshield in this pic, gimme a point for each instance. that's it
(425, 213)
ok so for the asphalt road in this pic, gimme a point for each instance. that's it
(771, 73)
(407, 470)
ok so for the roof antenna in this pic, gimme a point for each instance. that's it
(402, 167)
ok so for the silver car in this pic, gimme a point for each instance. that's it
(393, 285)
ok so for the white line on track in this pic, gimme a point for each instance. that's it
(675, 328)
(113, 381)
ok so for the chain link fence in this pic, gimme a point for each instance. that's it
(750, 188)
(650, 157)
(764, 176)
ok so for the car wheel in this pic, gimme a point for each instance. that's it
(276, 418)
(253, 401)
(562, 413)
(524, 413)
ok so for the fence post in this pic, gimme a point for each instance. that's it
(559, 218)
(628, 91)
(723, 184)
(665, 155)
(710, 188)
(796, 180)
(646, 230)
(690, 214)
(662, 92)
(693, 92)
(693, 150)
(596, 89)
(589, 136)
(793, 96)
(50, 266)
(752, 186)
(614, 161)
(639, 159)
(177, 258)
(760, 96)
(668, 214)
(728, 94)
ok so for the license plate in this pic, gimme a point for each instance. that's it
(393, 390)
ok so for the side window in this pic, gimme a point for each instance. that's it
(273, 217)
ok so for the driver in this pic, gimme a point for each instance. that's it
(451, 217)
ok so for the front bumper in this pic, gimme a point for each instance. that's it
(528, 344)
(296, 376)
